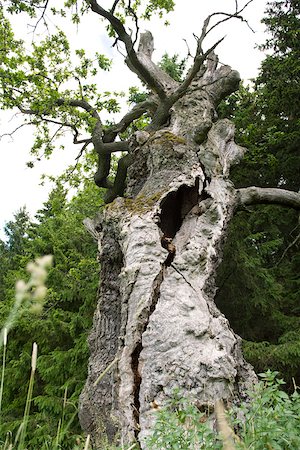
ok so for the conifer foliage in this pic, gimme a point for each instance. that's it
(61, 328)
(260, 270)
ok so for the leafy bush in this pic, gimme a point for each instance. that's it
(180, 425)
(268, 420)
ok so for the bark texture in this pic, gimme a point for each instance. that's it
(159, 250)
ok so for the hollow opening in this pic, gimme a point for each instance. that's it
(176, 206)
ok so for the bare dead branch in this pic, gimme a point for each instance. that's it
(138, 66)
(228, 16)
(56, 132)
(202, 36)
(255, 195)
(115, 44)
(82, 150)
(189, 55)
(71, 170)
(144, 54)
(205, 30)
(16, 130)
(78, 157)
(297, 238)
(198, 62)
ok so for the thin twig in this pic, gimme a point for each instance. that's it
(114, 6)
(132, 12)
(102, 375)
(16, 129)
(82, 150)
(189, 55)
(41, 18)
(297, 238)
(228, 16)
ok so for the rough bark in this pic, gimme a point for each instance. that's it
(159, 250)
(156, 327)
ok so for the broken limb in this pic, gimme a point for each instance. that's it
(139, 68)
(255, 195)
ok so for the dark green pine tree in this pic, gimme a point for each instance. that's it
(260, 271)
(61, 329)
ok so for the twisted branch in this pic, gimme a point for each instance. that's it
(123, 36)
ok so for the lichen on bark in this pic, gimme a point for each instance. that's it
(171, 333)
(160, 246)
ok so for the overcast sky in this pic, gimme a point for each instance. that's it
(20, 185)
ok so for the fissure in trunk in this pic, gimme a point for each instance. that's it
(170, 229)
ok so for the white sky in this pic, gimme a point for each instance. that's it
(20, 185)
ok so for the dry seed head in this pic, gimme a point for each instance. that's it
(21, 291)
(38, 275)
(34, 357)
(30, 267)
(39, 293)
(45, 261)
(4, 336)
(36, 308)
(21, 287)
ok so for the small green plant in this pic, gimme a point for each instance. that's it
(181, 426)
(269, 419)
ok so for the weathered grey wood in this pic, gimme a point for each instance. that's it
(155, 314)
(156, 322)
(255, 195)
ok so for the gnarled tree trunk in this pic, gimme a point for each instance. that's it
(156, 327)
(159, 250)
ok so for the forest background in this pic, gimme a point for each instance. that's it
(259, 272)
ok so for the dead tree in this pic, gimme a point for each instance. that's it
(156, 326)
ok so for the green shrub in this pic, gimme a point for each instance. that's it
(268, 420)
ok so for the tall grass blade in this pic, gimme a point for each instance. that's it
(60, 430)
(226, 433)
(29, 397)
(87, 442)
(3, 366)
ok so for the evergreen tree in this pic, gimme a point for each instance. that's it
(61, 329)
(261, 261)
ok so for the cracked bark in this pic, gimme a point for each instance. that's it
(159, 251)
(171, 334)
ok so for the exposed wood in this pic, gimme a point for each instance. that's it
(255, 195)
